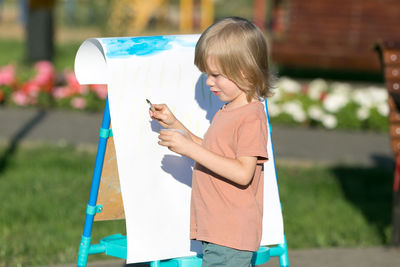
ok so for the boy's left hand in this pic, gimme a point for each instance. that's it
(176, 141)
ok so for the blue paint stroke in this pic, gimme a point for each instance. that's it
(143, 46)
(190, 41)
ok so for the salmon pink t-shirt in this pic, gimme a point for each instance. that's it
(223, 212)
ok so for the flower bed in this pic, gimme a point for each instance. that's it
(333, 105)
(44, 88)
(318, 103)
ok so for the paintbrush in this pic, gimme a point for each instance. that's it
(151, 105)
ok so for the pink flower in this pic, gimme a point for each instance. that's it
(30, 88)
(7, 75)
(304, 88)
(78, 102)
(323, 96)
(45, 75)
(44, 67)
(73, 84)
(20, 98)
(71, 79)
(61, 92)
(83, 90)
(100, 90)
(43, 78)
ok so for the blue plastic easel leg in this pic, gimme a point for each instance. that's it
(281, 249)
(90, 211)
(281, 252)
(284, 258)
(155, 264)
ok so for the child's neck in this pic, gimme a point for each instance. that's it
(234, 105)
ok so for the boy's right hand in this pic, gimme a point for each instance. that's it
(163, 115)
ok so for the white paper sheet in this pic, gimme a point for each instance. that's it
(155, 182)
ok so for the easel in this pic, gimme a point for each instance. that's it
(116, 245)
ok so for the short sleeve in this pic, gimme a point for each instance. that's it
(252, 140)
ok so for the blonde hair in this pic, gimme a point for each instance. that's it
(240, 52)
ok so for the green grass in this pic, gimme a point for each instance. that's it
(43, 196)
(336, 206)
(13, 51)
(44, 192)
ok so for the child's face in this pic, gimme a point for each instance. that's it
(225, 89)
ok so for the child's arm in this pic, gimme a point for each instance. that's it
(167, 119)
(239, 170)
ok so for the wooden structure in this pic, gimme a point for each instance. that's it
(187, 14)
(110, 190)
(131, 17)
(331, 35)
(390, 58)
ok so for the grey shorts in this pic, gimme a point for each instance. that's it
(220, 256)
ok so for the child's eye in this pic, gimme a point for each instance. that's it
(215, 75)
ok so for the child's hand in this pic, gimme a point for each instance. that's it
(176, 141)
(163, 115)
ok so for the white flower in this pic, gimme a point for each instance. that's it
(315, 112)
(289, 85)
(335, 102)
(273, 109)
(341, 88)
(329, 121)
(299, 116)
(277, 95)
(370, 97)
(294, 109)
(316, 88)
(291, 107)
(363, 113)
(362, 98)
(379, 95)
(383, 109)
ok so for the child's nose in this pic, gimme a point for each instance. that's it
(209, 81)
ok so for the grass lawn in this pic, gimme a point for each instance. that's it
(43, 195)
(44, 191)
(336, 206)
(13, 51)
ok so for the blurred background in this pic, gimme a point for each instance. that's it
(335, 63)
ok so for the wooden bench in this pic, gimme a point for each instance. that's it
(331, 35)
(389, 52)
